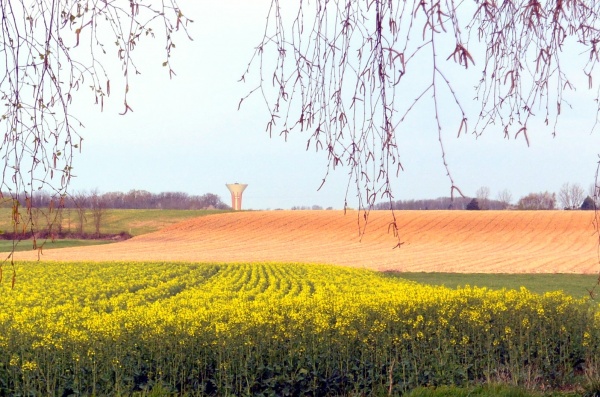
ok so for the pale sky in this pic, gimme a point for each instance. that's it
(186, 134)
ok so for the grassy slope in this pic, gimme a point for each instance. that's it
(25, 245)
(134, 222)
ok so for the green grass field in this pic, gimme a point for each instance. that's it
(134, 222)
(26, 245)
(137, 222)
(115, 221)
(576, 285)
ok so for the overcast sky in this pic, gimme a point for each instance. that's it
(186, 134)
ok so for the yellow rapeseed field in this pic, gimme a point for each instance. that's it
(172, 311)
(287, 329)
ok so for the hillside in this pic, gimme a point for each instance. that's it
(434, 241)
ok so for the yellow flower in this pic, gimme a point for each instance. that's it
(586, 338)
(29, 366)
(540, 311)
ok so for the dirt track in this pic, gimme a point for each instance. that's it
(434, 241)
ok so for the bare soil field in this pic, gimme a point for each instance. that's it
(434, 241)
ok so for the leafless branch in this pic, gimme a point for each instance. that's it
(350, 73)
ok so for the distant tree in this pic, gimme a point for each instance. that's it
(577, 195)
(54, 215)
(98, 207)
(44, 214)
(80, 202)
(171, 200)
(210, 200)
(564, 196)
(114, 199)
(570, 196)
(300, 208)
(505, 198)
(40, 199)
(588, 204)
(58, 221)
(473, 205)
(440, 203)
(138, 199)
(483, 196)
(537, 201)
(68, 217)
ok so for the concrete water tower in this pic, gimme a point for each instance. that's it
(236, 190)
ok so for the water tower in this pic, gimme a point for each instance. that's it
(236, 190)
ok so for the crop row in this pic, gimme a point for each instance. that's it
(285, 329)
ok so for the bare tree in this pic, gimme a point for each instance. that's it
(80, 201)
(570, 196)
(98, 207)
(483, 197)
(48, 51)
(577, 195)
(564, 196)
(505, 198)
(59, 218)
(351, 73)
(52, 213)
(537, 201)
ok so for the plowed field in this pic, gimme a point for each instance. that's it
(434, 241)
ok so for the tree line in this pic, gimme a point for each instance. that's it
(46, 215)
(569, 197)
(134, 199)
